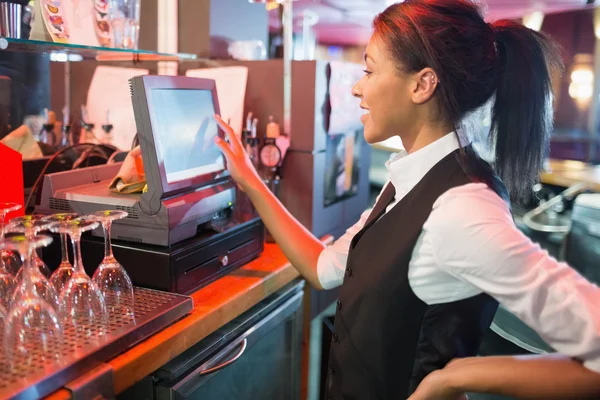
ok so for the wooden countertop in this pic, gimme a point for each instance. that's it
(214, 306)
(566, 173)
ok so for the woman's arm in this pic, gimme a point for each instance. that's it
(296, 242)
(550, 377)
(300, 247)
(475, 240)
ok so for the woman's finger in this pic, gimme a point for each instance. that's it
(235, 141)
(225, 149)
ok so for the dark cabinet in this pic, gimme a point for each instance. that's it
(255, 356)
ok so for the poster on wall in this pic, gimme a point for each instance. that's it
(83, 22)
(115, 109)
(342, 166)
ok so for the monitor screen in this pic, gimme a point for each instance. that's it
(184, 129)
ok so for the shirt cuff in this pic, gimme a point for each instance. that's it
(326, 271)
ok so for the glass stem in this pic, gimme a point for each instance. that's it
(76, 241)
(64, 248)
(26, 253)
(28, 263)
(35, 258)
(108, 254)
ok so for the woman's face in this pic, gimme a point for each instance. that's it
(395, 103)
(386, 95)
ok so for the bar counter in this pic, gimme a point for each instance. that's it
(566, 173)
(214, 306)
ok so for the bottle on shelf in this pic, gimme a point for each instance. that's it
(107, 127)
(66, 138)
(47, 135)
(87, 128)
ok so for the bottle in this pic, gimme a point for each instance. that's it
(107, 128)
(47, 135)
(87, 128)
(65, 138)
(273, 130)
(252, 145)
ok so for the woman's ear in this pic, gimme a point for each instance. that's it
(426, 83)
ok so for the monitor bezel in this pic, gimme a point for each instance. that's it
(144, 121)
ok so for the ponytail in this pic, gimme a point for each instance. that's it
(522, 114)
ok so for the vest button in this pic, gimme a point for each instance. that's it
(336, 338)
(331, 370)
(339, 305)
(348, 272)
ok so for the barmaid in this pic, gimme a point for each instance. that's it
(422, 273)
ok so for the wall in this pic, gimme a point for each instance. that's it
(232, 20)
(574, 32)
(353, 54)
(194, 22)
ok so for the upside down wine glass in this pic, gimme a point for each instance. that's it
(110, 276)
(81, 301)
(62, 274)
(32, 329)
(7, 287)
(30, 225)
(11, 260)
(8, 262)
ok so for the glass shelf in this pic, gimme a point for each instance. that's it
(75, 52)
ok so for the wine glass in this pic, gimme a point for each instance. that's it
(31, 225)
(81, 301)
(32, 325)
(7, 287)
(7, 278)
(63, 273)
(10, 259)
(110, 276)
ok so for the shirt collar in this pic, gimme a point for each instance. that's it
(406, 170)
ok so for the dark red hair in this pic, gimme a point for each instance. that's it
(474, 61)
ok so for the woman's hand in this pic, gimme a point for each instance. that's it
(438, 386)
(299, 246)
(238, 163)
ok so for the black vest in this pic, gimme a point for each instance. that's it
(386, 340)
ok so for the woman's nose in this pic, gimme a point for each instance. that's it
(356, 91)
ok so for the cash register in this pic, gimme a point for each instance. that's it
(187, 228)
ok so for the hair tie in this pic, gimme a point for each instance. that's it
(493, 32)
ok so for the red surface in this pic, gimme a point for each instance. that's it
(11, 178)
(348, 22)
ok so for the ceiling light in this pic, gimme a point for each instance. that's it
(534, 20)
(270, 4)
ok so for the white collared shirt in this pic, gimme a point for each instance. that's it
(470, 245)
